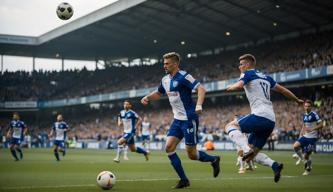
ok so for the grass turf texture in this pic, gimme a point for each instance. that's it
(77, 171)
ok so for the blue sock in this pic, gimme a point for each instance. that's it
(21, 153)
(14, 154)
(56, 154)
(204, 157)
(275, 166)
(177, 165)
(140, 150)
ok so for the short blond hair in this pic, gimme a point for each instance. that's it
(172, 55)
(248, 57)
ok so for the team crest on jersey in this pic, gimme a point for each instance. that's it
(175, 83)
(128, 115)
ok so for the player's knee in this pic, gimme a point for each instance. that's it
(296, 145)
(241, 153)
(192, 156)
(169, 148)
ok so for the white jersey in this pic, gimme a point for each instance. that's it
(18, 127)
(311, 120)
(179, 90)
(257, 87)
(129, 119)
(145, 128)
(59, 128)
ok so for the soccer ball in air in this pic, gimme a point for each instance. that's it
(65, 11)
(106, 179)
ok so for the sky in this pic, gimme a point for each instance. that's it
(36, 17)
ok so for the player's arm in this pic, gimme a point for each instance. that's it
(9, 132)
(51, 133)
(25, 131)
(201, 97)
(236, 86)
(287, 93)
(151, 97)
(119, 121)
(138, 123)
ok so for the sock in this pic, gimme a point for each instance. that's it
(120, 149)
(140, 150)
(125, 149)
(299, 153)
(241, 163)
(263, 159)
(307, 164)
(177, 165)
(21, 153)
(14, 154)
(204, 157)
(56, 154)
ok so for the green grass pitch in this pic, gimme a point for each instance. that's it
(77, 171)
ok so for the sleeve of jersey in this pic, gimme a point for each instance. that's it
(53, 126)
(190, 82)
(66, 126)
(271, 81)
(161, 89)
(245, 77)
(136, 115)
(317, 117)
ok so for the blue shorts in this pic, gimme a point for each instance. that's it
(259, 128)
(58, 143)
(185, 128)
(307, 144)
(129, 137)
(145, 137)
(15, 141)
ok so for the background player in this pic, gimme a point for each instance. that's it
(309, 134)
(60, 129)
(130, 121)
(178, 85)
(145, 133)
(261, 122)
(17, 130)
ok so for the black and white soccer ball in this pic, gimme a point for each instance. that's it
(65, 11)
(106, 179)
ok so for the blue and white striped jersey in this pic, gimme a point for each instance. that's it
(59, 129)
(17, 128)
(179, 89)
(310, 120)
(129, 119)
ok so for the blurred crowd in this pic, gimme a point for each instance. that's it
(214, 118)
(292, 54)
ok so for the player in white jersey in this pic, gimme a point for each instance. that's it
(178, 85)
(60, 129)
(145, 133)
(17, 130)
(309, 135)
(261, 122)
(130, 121)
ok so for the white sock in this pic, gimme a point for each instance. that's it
(125, 150)
(299, 154)
(241, 163)
(263, 159)
(120, 149)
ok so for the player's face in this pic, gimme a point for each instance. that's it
(127, 105)
(170, 66)
(307, 107)
(243, 65)
(145, 119)
(16, 116)
(59, 118)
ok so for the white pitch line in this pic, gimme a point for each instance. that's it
(138, 180)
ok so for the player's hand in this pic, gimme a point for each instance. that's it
(198, 109)
(144, 100)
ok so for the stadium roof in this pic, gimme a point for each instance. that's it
(140, 28)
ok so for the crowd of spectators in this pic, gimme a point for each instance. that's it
(292, 54)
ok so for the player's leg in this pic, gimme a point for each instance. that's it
(133, 148)
(308, 149)
(12, 149)
(125, 150)
(175, 135)
(18, 149)
(298, 150)
(120, 147)
(190, 131)
(62, 148)
(55, 151)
